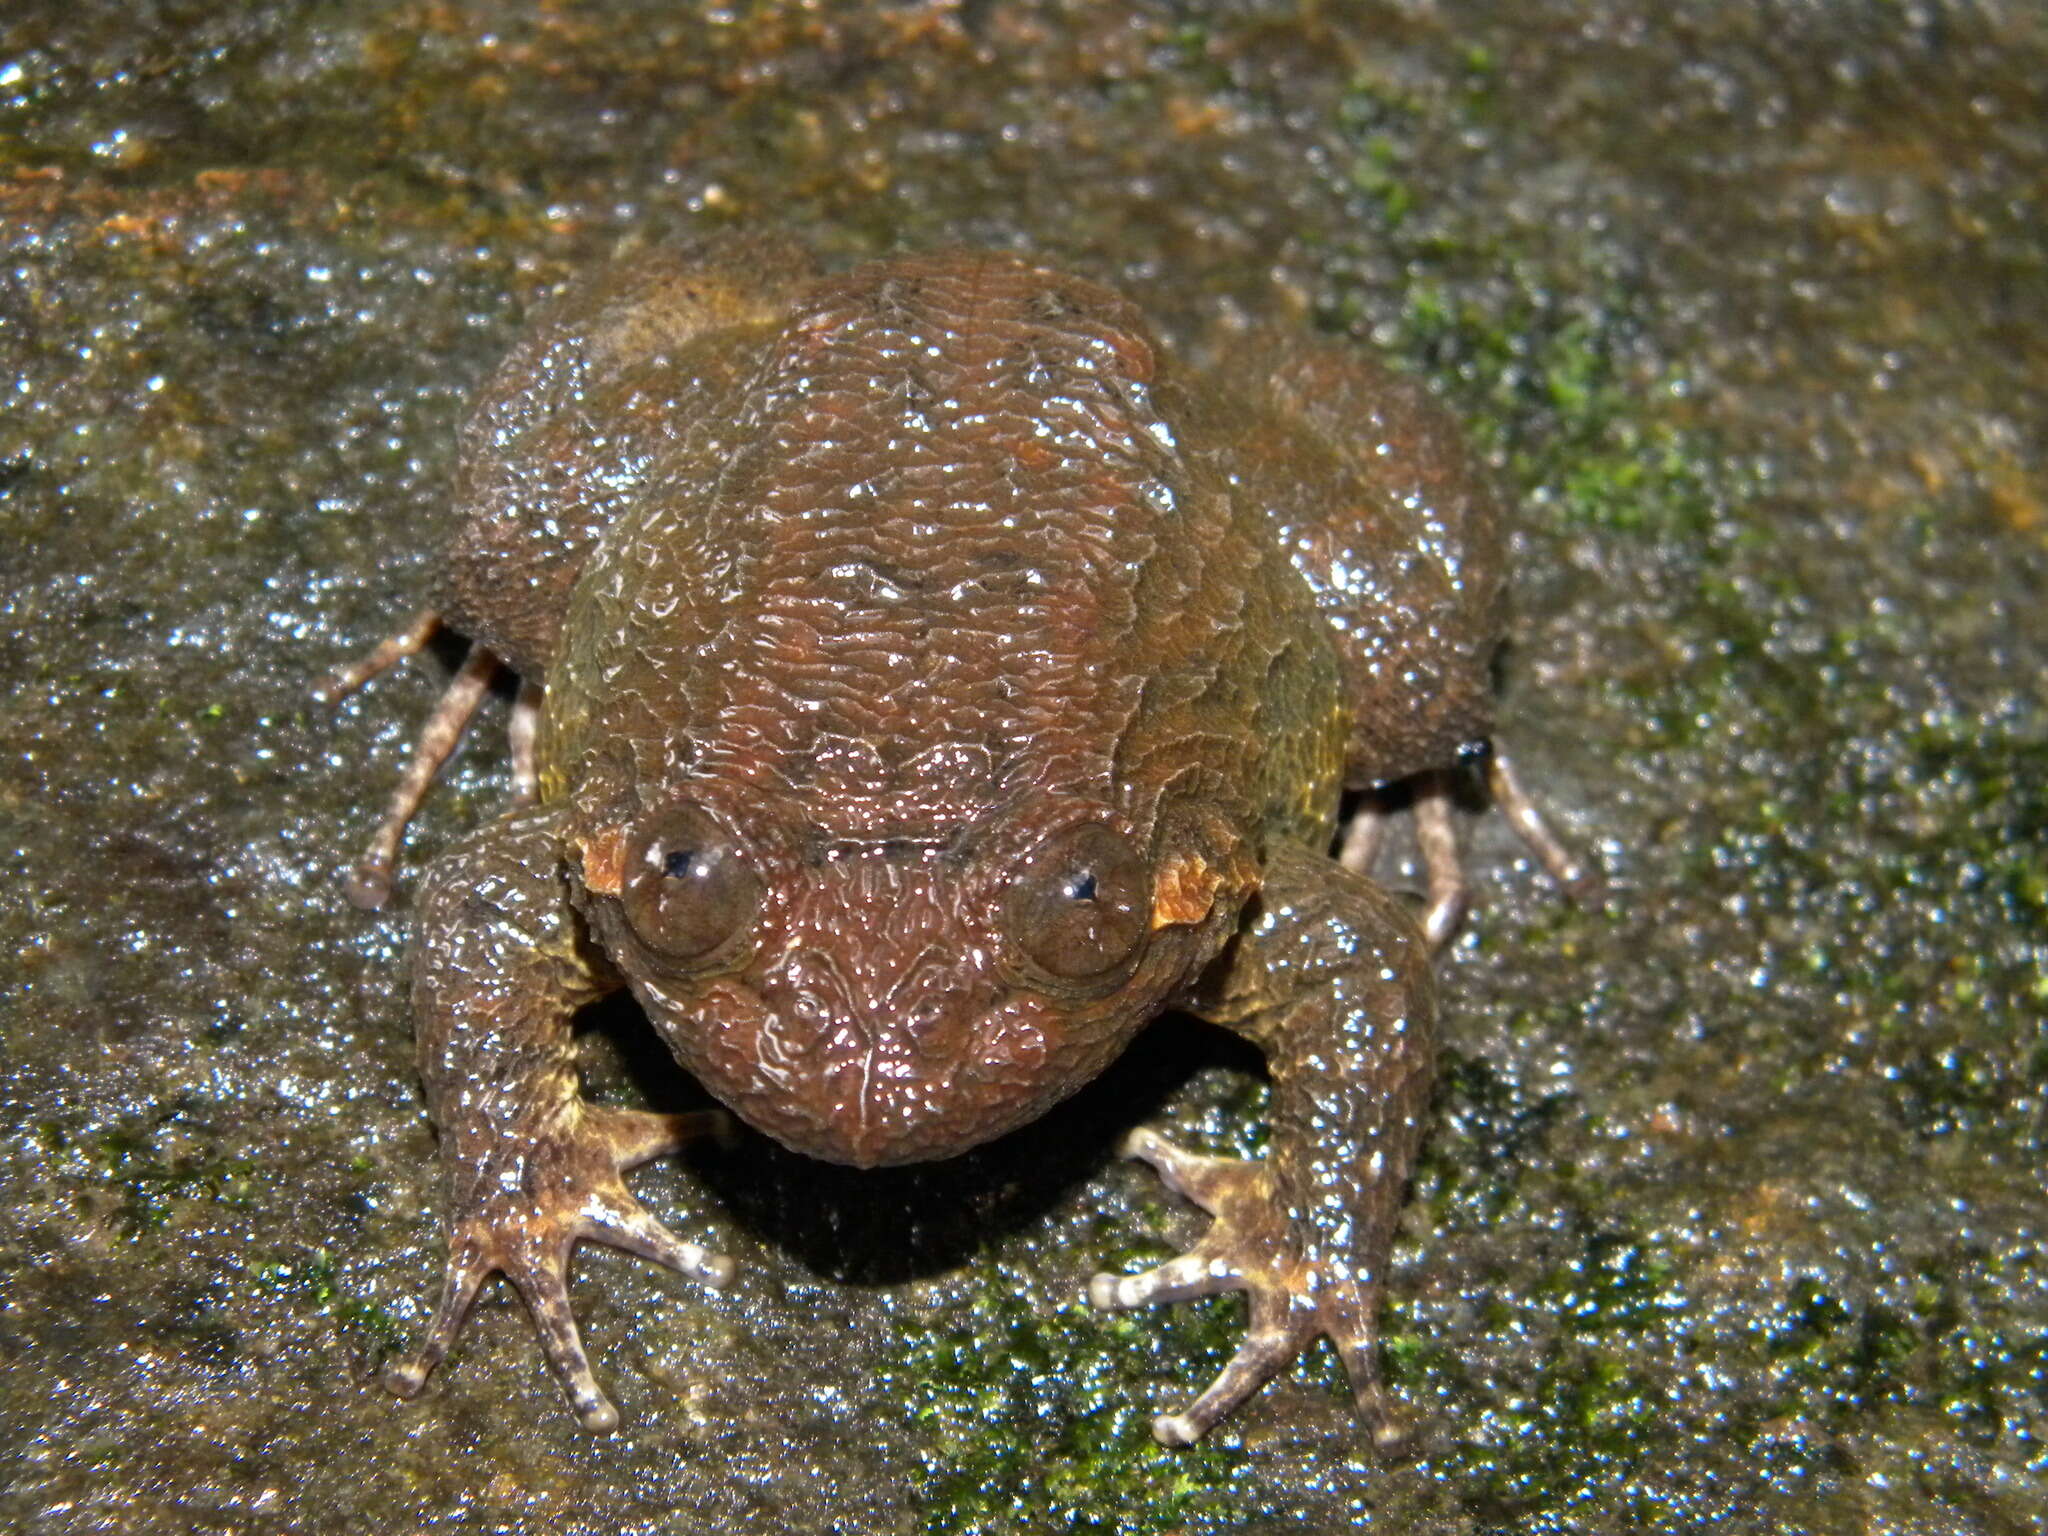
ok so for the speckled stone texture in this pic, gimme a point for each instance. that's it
(1731, 1217)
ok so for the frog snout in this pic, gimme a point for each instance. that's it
(877, 1067)
(822, 1012)
(857, 1063)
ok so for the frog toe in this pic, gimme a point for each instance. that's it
(1579, 880)
(468, 1268)
(367, 888)
(1392, 1434)
(617, 1219)
(571, 1192)
(1253, 1246)
(544, 1287)
(1280, 1329)
(1260, 1358)
(1202, 1271)
(1209, 1182)
(636, 1136)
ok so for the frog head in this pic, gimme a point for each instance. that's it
(906, 993)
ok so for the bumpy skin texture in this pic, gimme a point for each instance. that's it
(1401, 542)
(938, 688)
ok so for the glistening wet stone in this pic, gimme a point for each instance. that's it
(1732, 1210)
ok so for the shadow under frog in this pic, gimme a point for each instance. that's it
(889, 1225)
(925, 684)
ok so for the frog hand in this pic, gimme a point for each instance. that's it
(1251, 1246)
(521, 1209)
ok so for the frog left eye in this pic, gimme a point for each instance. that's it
(689, 886)
(1079, 908)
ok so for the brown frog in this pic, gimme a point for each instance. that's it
(927, 682)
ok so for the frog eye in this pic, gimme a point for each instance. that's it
(688, 885)
(1078, 909)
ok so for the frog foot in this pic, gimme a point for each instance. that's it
(522, 1217)
(1249, 1247)
(1445, 895)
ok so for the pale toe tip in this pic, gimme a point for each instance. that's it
(1175, 1429)
(368, 889)
(1136, 1143)
(717, 1271)
(1102, 1292)
(1393, 1437)
(597, 1415)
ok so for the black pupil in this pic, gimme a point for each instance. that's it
(679, 864)
(1082, 888)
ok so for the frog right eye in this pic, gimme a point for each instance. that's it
(689, 887)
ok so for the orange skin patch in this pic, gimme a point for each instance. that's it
(1186, 891)
(604, 862)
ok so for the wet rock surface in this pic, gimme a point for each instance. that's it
(1733, 1211)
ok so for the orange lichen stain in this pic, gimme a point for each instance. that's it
(1185, 892)
(139, 225)
(1032, 456)
(930, 26)
(156, 224)
(604, 862)
(1933, 472)
(2015, 499)
(1192, 119)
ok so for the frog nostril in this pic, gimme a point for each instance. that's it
(926, 1018)
(810, 1019)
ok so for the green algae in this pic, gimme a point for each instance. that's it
(128, 1174)
(1730, 1217)
(314, 1284)
(1031, 1422)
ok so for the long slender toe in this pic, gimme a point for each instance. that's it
(1391, 1433)
(1251, 1246)
(545, 1290)
(1436, 835)
(1362, 839)
(467, 1270)
(636, 1136)
(343, 681)
(1205, 1180)
(621, 1221)
(1260, 1358)
(1504, 783)
(1200, 1272)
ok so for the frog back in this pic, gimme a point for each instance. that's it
(958, 554)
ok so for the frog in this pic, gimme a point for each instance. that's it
(927, 677)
